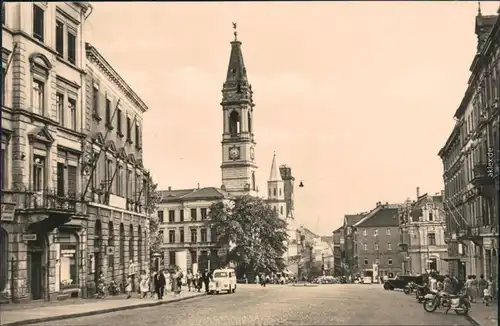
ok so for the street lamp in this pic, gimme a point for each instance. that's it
(323, 263)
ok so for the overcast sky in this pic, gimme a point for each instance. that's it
(357, 97)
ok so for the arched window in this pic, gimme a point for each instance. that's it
(131, 242)
(139, 246)
(280, 191)
(234, 123)
(274, 191)
(122, 245)
(4, 258)
(111, 245)
(281, 210)
(249, 122)
(253, 180)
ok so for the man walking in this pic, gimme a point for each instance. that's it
(160, 282)
(206, 280)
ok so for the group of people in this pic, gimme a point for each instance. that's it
(475, 289)
(162, 281)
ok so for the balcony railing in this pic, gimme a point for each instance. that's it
(482, 176)
(48, 199)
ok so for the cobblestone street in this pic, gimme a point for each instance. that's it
(283, 305)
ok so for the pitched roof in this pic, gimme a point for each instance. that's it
(383, 215)
(236, 71)
(352, 219)
(339, 229)
(181, 195)
(275, 174)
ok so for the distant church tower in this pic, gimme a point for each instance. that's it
(238, 143)
(276, 190)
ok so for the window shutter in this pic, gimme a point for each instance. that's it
(72, 179)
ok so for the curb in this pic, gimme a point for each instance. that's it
(98, 312)
(472, 320)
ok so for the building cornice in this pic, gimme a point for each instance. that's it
(97, 59)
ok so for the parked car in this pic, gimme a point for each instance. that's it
(399, 282)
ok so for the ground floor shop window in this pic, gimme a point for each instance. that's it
(68, 266)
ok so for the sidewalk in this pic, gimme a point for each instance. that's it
(484, 316)
(22, 314)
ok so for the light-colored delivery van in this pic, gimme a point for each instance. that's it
(223, 280)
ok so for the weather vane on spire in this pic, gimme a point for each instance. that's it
(235, 25)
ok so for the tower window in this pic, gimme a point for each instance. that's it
(274, 191)
(253, 180)
(249, 122)
(234, 123)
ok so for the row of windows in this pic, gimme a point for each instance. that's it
(193, 215)
(194, 256)
(194, 236)
(121, 181)
(66, 33)
(110, 114)
(375, 232)
(376, 246)
(389, 261)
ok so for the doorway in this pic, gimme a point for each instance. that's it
(433, 264)
(36, 281)
(462, 270)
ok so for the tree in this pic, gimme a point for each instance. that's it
(153, 198)
(252, 234)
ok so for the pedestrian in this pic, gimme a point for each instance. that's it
(474, 288)
(152, 285)
(200, 281)
(206, 280)
(447, 284)
(482, 284)
(128, 286)
(144, 284)
(189, 280)
(468, 289)
(178, 281)
(160, 284)
(257, 279)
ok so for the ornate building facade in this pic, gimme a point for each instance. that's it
(470, 159)
(423, 229)
(115, 180)
(58, 228)
(43, 216)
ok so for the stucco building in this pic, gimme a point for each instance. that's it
(350, 260)
(375, 242)
(338, 252)
(42, 129)
(50, 215)
(422, 244)
(115, 180)
(189, 241)
(470, 161)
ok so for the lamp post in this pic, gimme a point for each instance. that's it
(323, 263)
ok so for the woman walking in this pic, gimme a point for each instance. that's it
(144, 284)
(474, 288)
(482, 284)
(128, 286)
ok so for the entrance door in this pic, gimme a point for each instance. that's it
(35, 275)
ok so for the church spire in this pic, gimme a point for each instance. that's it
(236, 71)
(275, 173)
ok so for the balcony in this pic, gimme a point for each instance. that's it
(188, 245)
(483, 175)
(46, 209)
(471, 233)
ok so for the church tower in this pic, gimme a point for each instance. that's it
(238, 143)
(276, 190)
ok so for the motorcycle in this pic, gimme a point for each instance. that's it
(420, 292)
(409, 288)
(458, 303)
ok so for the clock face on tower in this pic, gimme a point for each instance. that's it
(252, 153)
(234, 153)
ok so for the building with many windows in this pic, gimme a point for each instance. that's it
(423, 228)
(115, 180)
(470, 161)
(189, 241)
(72, 192)
(374, 240)
(43, 101)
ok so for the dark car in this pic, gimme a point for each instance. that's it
(401, 281)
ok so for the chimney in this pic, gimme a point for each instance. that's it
(418, 192)
(198, 185)
(169, 188)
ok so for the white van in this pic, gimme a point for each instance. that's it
(223, 280)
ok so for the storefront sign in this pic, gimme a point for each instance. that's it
(29, 237)
(8, 212)
(68, 253)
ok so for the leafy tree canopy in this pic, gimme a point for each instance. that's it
(251, 231)
(153, 198)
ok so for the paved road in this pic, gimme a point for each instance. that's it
(338, 304)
